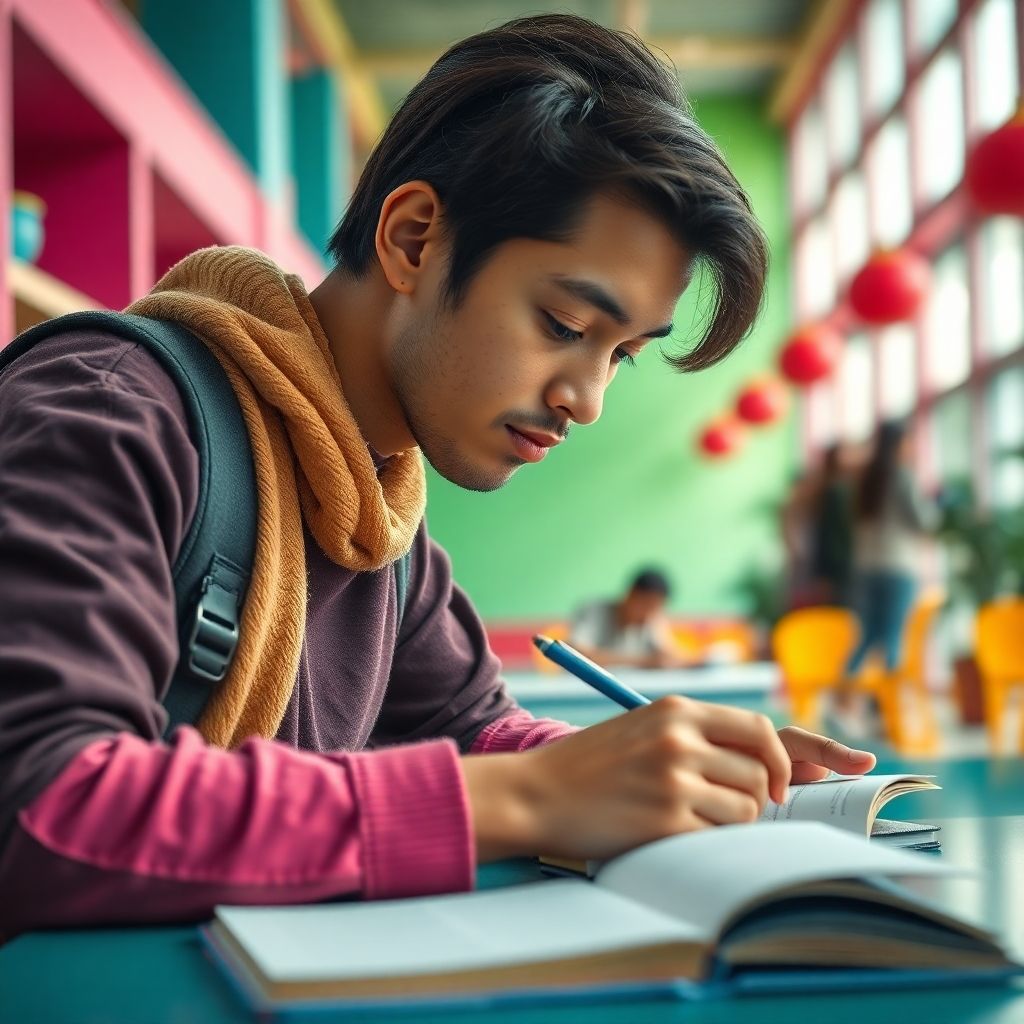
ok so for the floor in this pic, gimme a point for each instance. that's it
(957, 741)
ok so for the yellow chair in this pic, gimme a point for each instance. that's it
(557, 631)
(812, 646)
(902, 695)
(999, 636)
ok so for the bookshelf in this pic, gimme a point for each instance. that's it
(134, 172)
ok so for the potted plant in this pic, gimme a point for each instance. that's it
(763, 593)
(986, 560)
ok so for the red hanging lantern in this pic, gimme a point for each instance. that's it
(762, 401)
(810, 354)
(721, 438)
(891, 286)
(995, 169)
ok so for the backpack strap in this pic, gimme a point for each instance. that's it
(212, 570)
(403, 572)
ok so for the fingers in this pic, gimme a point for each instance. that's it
(824, 751)
(737, 771)
(722, 805)
(804, 771)
(692, 821)
(751, 733)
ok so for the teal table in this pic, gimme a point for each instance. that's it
(161, 976)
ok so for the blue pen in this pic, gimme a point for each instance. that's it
(591, 673)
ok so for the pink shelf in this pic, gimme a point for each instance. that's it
(177, 229)
(134, 172)
(68, 153)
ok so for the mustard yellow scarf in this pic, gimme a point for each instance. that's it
(310, 461)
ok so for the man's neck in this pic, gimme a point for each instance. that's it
(351, 312)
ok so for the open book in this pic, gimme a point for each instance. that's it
(851, 803)
(706, 911)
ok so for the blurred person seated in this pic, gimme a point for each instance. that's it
(631, 631)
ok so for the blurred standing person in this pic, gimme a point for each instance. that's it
(817, 534)
(795, 526)
(831, 554)
(891, 520)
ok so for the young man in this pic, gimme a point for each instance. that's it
(525, 226)
(630, 631)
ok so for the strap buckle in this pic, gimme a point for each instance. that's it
(214, 635)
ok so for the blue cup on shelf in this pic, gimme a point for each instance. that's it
(27, 234)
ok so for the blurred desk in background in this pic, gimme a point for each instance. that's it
(561, 695)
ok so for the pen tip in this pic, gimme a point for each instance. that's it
(540, 640)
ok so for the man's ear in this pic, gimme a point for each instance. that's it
(408, 233)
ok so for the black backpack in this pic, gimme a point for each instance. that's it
(211, 573)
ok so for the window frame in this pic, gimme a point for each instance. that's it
(935, 225)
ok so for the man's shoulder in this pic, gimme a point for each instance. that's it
(594, 611)
(91, 357)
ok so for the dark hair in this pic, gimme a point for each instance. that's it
(651, 581)
(831, 463)
(518, 127)
(882, 469)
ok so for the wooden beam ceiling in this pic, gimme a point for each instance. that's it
(326, 34)
(692, 52)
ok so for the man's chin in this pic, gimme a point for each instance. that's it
(470, 477)
(477, 480)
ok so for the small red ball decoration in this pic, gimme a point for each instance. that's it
(721, 438)
(890, 287)
(995, 169)
(810, 354)
(762, 401)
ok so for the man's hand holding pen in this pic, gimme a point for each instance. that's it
(676, 765)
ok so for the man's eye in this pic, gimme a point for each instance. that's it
(560, 331)
(622, 356)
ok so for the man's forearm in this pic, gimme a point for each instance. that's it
(134, 831)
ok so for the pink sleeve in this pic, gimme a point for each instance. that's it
(519, 731)
(135, 831)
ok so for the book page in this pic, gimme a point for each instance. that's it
(434, 934)
(704, 877)
(844, 802)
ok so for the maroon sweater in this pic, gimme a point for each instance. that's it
(100, 819)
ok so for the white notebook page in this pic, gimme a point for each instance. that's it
(463, 931)
(702, 877)
(843, 802)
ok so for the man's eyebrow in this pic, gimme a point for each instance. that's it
(595, 295)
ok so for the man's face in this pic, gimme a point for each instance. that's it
(539, 334)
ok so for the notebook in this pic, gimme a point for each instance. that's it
(796, 905)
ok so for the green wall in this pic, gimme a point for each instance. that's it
(631, 489)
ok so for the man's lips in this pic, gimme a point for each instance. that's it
(530, 447)
(541, 440)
